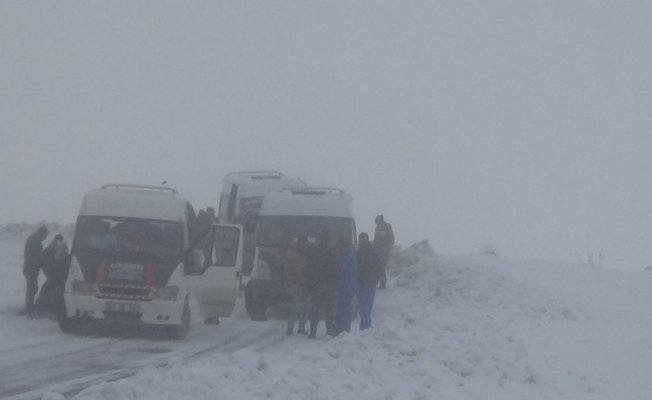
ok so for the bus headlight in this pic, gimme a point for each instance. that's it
(166, 293)
(82, 287)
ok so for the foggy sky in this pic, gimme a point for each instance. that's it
(519, 124)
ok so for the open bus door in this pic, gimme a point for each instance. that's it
(213, 271)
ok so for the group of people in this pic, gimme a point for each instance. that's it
(323, 280)
(54, 261)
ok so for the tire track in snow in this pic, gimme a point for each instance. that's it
(71, 372)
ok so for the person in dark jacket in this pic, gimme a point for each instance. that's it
(383, 242)
(295, 275)
(56, 261)
(202, 224)
(321, 275)
(33, 261)
(369, 273)
(346, 285)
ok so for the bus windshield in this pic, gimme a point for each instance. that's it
(282, 230)
(117, 235)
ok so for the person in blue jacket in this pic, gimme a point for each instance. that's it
(346, 285)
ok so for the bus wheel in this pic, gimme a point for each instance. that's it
(255, 310)
(180, 331)
(70, 325)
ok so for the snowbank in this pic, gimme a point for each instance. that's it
(448, 328)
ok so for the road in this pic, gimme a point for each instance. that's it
(67, 364)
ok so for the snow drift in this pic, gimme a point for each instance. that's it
(448, 328)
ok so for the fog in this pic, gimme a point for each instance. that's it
(519, 125)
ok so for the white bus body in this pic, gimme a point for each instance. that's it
(284, 216)
(240, 201)
(131, 261)
(242, 192)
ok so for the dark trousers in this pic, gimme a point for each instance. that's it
(32, 288)
(322, 301)
(50, 297)
(366, 296)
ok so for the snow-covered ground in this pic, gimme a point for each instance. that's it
(449, 327)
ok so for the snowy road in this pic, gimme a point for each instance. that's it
(449, 327)
(67, 364)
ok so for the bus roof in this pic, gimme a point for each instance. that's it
(313, 201)
(135, 201)
(258, 183)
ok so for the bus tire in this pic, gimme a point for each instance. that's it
(255, 310)
(180, 331)
(71, 326)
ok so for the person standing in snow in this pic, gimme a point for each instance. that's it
(321, 276)
(346, 283)
(368, 275)
(33, 261)
(55, 268)
(383, 242)
(295, 265)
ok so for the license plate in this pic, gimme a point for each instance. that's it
(125, 272)
(122, 307)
